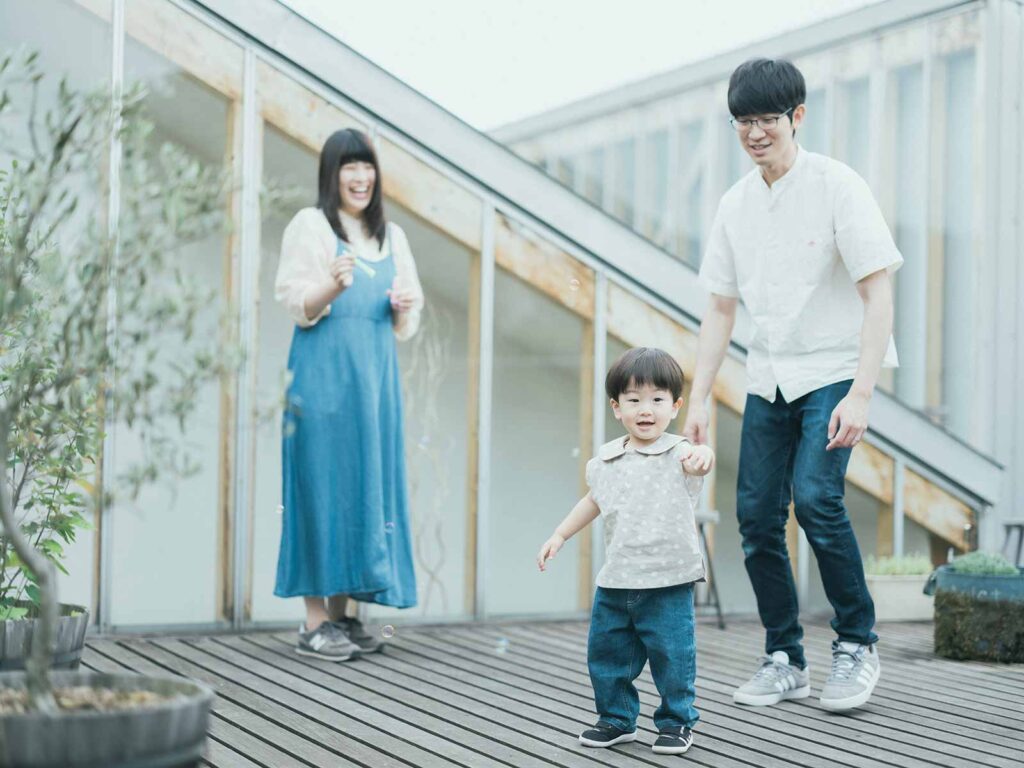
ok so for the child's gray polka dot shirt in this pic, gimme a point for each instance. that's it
(647, 506)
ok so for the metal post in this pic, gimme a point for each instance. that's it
(248, 260)
(600, 403)
(106, 533)
(486, 352)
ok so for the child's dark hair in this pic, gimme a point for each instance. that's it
(644, 365)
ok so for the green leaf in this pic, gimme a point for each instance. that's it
(33, 593)
(12, 612)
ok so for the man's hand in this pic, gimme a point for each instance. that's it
(698, 460)
(849, 421)
(549, 550)
(695, 428)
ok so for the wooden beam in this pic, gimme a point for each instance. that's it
(427, 193)
(297, 111)
(933, 508)
(436, 199)
(186, 41)
(545, 267)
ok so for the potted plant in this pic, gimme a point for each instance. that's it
(896, 584)
(67, 282)
(979, 608)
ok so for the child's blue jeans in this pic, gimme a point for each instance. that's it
(629, 627)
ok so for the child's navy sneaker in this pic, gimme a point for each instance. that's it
(605, 734)
(673, 741)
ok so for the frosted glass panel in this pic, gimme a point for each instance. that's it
(166, 555)
(535, 450)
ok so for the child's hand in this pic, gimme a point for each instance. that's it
(549, 550)
(698, 460)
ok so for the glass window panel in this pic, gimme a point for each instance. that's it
(959, 329)
(691, 225)
(855, 103)
(910, 232)
(624, 180)
(72, 43)
(178, 516)
(593, 181)
(566, 171)
(653, 223)
(535, 451)
(811, 133)
(287, 165)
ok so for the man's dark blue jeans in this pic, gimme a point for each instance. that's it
(783, 457)
(628, 627)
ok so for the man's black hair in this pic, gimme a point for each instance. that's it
(765, 87)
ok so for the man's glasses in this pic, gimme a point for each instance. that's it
(765, 123)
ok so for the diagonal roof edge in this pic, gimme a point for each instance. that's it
(822, 34)
(509, 178)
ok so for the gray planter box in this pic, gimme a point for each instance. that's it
(170, 735)
(16, 639)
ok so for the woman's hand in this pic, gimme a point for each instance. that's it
(402, 299)
(698, 460)
(341, 271)
(549, 550)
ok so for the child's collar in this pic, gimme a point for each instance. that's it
(617, 447)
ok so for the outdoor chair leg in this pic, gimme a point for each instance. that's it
(713, 585)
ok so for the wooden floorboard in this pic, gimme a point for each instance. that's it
(496, 695)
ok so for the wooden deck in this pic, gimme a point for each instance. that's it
(490, 696)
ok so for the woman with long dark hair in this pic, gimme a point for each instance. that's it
(348, 279)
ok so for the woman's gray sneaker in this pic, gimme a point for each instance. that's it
(327, 642)
(775, 681)
(356, 632)
(854, 675)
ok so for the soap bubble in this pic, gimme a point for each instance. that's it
(387, 631)
(574, 284)
(389, 527)
(501, 647)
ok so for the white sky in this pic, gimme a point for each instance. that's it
(494, 61)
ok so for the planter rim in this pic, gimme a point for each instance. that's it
(906, 576)
(66, 610)
(191, 689)
(1008, 576)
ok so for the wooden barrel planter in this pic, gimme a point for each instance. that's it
(16, 638)
(170, 734)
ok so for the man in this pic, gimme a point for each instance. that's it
(802, 242)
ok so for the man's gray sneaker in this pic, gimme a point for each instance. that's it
(356, 632)
(327, 642)
(855, 672)
(776, 680)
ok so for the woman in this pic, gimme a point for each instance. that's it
(348, 279)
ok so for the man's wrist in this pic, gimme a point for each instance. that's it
(862, 390)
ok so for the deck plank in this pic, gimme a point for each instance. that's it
(514, 695)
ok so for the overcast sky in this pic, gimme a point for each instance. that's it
(494, 61)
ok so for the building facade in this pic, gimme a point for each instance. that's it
(530, 291)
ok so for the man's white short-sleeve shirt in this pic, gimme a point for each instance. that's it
(793, 252)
